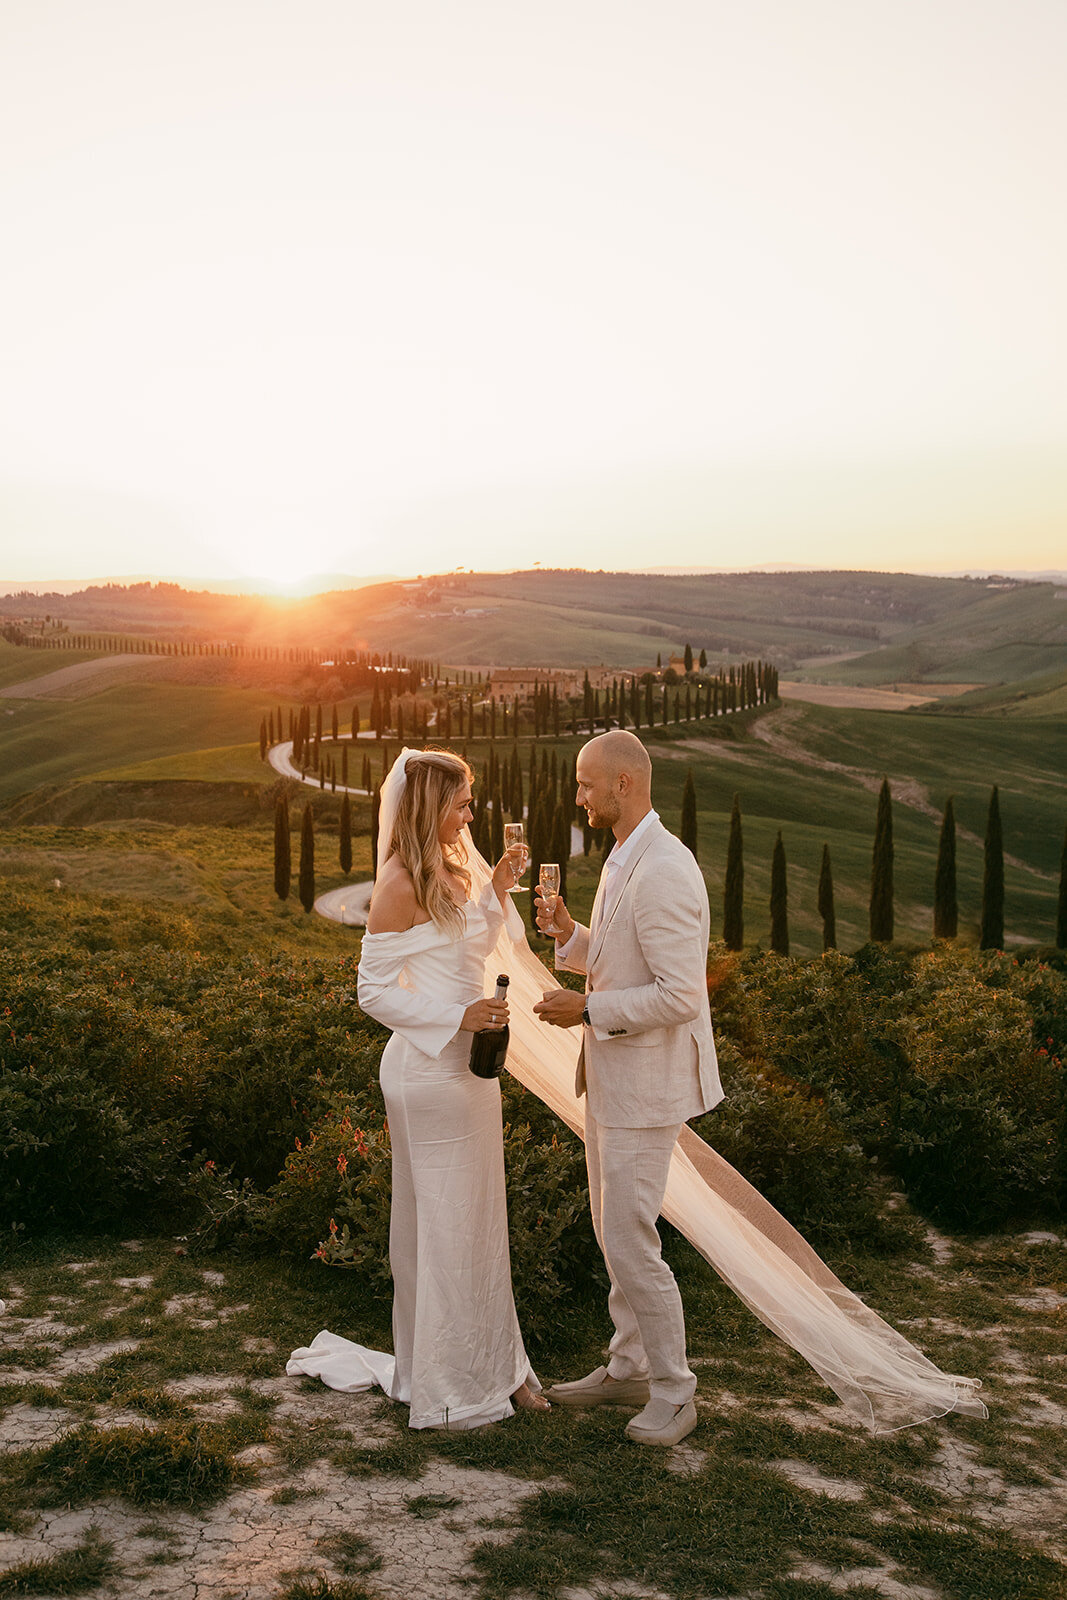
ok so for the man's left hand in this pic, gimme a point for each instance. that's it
(560, 1007)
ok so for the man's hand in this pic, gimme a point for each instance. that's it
(560, 1007)
(553, 920)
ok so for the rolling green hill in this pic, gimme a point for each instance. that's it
(895, 626)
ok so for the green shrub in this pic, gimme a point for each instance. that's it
(780, 1137)
(976, 1126)
(71, 1154)
(930, 1061)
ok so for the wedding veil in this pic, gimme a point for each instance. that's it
(879, 1376)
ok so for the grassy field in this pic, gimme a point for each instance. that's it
(1043, 695)
(811, 771)
(19, 665)
(54, 741)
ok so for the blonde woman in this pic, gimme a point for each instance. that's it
(459, 1358)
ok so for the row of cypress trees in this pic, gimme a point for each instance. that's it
(283, 856)
(880, 914)
(550, 816)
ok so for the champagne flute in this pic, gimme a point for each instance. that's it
(548, 880)
(514, 834)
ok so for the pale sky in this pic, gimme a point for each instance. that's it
(341, 286)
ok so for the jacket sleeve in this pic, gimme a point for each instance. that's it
(577, 950)
(423, 1020)
(670, 919)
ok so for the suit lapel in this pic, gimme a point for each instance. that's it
(627, 873)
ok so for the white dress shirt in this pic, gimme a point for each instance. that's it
(611, 878)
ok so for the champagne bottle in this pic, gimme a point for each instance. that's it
(489, 1047)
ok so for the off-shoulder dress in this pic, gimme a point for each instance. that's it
(459, 1355)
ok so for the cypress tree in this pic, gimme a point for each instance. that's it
(375, 814)
(881, 908)
(333, 724)
(497, 826)
(516, 796)
(688, 658)
(993, 879)
(307, 860)
(689, 814)
(263, 740)
(561, 843)
(826, 902)
(355, 722)
(946, 909)
(345, 841)
(779, 900)
(1061, 907)
(283, 863)
(733, 922)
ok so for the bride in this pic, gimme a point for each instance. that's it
(459, 1355)
(459, 1358)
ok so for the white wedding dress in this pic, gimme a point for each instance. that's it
(459, 1355)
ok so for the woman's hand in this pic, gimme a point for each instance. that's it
(484, 1014)
(509, 869)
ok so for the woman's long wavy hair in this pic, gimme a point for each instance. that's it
(433, 779)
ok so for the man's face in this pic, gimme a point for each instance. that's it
(598, 791)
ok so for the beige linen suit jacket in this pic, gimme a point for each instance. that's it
(648, 1058)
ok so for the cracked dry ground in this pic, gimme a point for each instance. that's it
(777, 1496)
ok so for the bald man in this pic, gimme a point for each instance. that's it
(647, 1064)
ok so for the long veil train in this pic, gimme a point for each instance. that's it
(880, 1377)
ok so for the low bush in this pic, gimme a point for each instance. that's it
(72, 1155)
(944, 1064)
(781, 1138)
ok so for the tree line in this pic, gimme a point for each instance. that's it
(461, 711)
(880, 908)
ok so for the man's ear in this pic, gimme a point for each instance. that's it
(625, 782)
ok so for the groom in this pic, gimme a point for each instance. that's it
(647, 1064)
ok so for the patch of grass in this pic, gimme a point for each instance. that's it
(350, 1553)
(36, 1355)
(288, 1496)
(155, 1403)
(399, 1458)
(176, 1464)
(320, 1587)
(965, 1562)
(431, 1505)
(70, 1572)
(30, 1394)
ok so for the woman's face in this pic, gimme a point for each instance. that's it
(457, 815)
